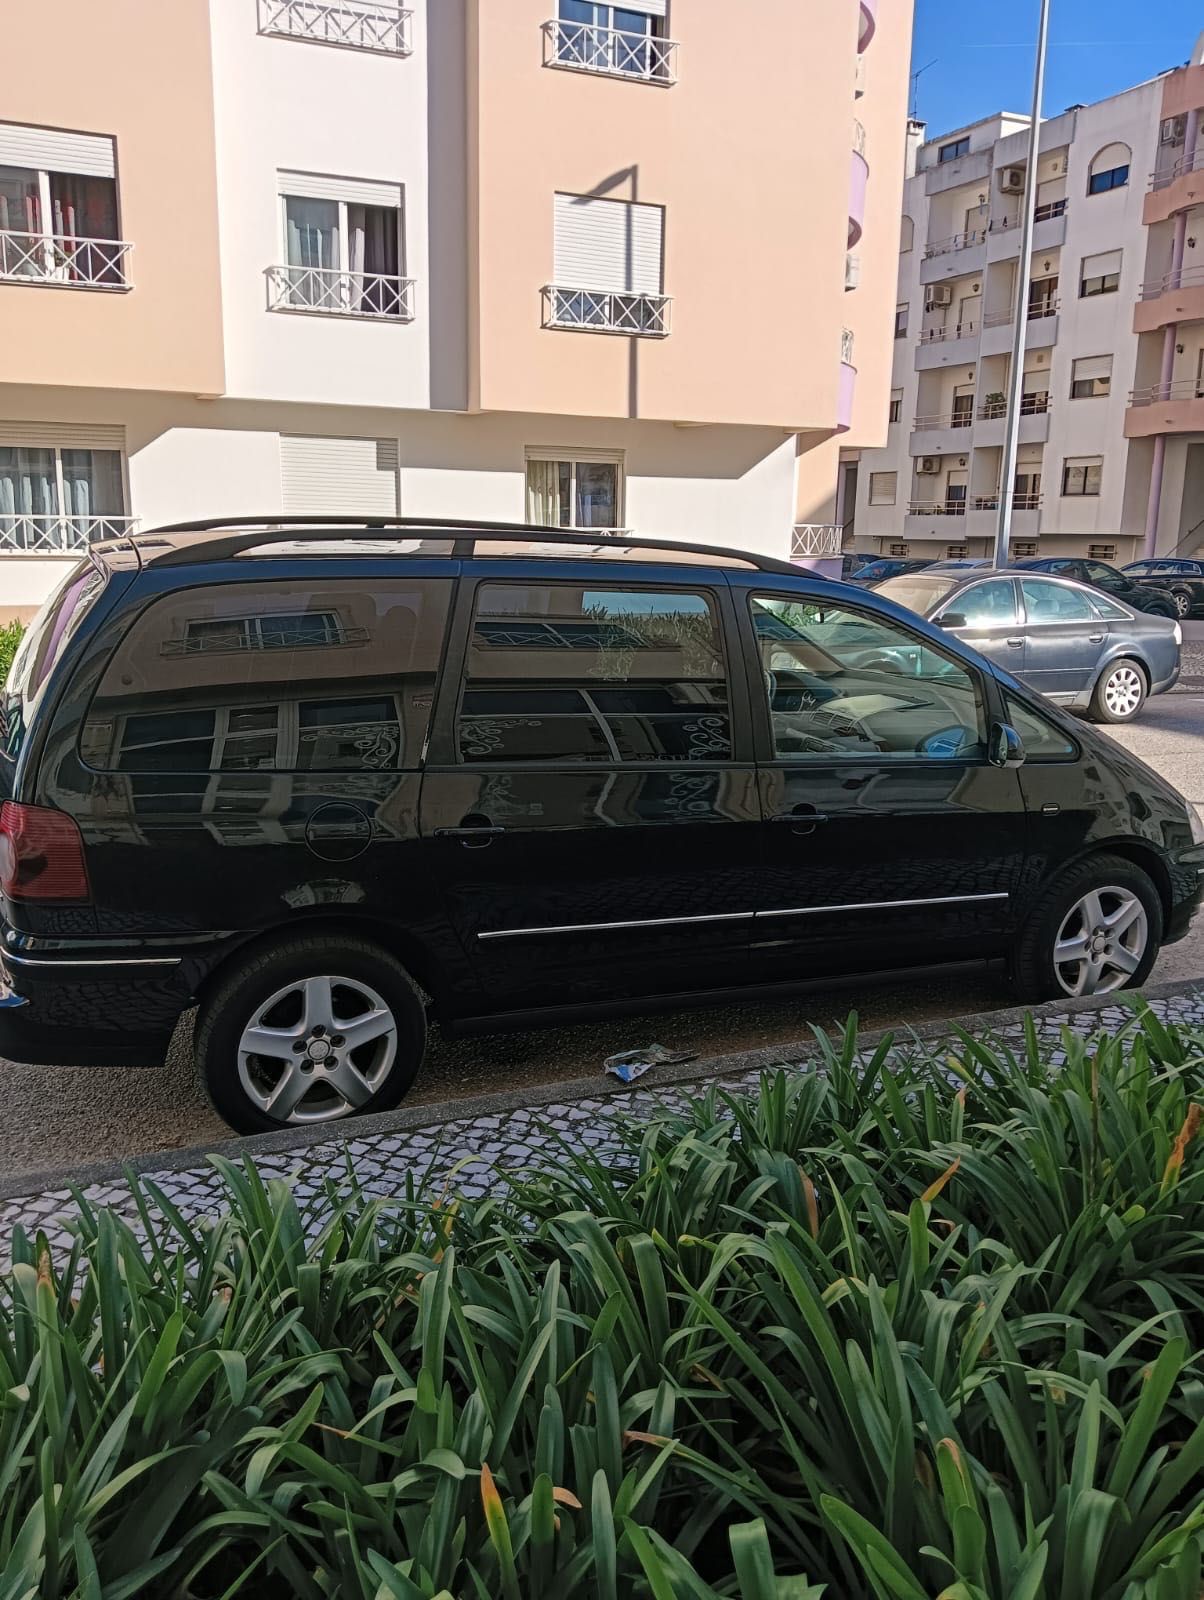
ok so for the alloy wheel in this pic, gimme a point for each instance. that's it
(1124, 691)
(316, 1050)
(1183, 604)
(1101, 942)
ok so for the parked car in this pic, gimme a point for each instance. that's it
(328, 782)
(1157, 601)
(887, 567)
(851, 563)
(1179, 577)
(1068, 640)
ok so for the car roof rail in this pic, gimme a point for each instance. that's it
(159, 548)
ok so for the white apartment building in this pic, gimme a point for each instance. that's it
(1111, 427)
(510, 259)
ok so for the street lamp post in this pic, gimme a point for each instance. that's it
(1011, 436)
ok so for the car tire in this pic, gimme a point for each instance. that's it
(305, 1000)
(1183, 602)
(1120, 692)
(1066, 915)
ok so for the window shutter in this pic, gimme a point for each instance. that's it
(1092, 367)
(355, 191)
(92, 155)
(63, 435)
(607, 244)
(1099, 266)
(339, 475)
(650, 8)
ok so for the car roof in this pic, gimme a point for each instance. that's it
(280, 535)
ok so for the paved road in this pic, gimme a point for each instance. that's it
(52, 1117)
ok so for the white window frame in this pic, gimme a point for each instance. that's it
(95, 524)
(65, 262)
(879, 499)
(279, 277)
(571, 456)
(902, 309)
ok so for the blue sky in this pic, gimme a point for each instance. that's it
(984, 53)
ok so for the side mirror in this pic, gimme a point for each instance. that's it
(952, 619)
(1006, 748)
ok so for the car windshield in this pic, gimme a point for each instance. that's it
(919, 591)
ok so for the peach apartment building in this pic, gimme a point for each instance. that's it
(589, 265)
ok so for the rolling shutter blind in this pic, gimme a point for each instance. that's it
(650, 8)
(92, 155)
(1099, 266)
(63, 435)
(607, 244)
(1092, 367)
(332, 475)
(355, 191)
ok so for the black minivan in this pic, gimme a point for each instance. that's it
(330, 779)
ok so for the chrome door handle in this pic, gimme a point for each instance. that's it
(1095, 638)
(474, 835)
(801, 821)
(1015, 643)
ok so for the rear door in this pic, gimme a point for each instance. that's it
(1064, 637)
(590, 797)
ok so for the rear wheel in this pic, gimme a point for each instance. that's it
(1120, 693)
(311, 1030)
(1183, 601)
(1098, 929)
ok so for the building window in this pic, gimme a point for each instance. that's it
(883, 488)
(607, 266)
(956, 552)
(1099, 274)
(378, 25)
(1101, 552)
(897, 549)
(1091, 377)
(907, 236)
(621, 41)
(1109, 169)
(1081, 475)
(344, 249)
(901, 321)
(1022, 549)
(896, 406)
(58, 209)
(581, 492)
(955, 150)
(57, 499)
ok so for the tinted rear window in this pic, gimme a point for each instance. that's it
(41, 648)
(253, 677)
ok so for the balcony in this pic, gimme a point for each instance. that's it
(950, 346)
(817, 545)
(1034, 422)
(859, 177)
(952, 257)
(1176, 407)
(941, 434)
(1049, 231)
(972, 168)
(63, 261)
(1174, 297)
(376, 296)
(23, 535)
(381, 28)
(1176, 189)
(606, 311)
(1042, 328)
(609, 52)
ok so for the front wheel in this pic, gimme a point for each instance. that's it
(1120, 693)
(1183, 602)
(310, 1030)
(1097, 930)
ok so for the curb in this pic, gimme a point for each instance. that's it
(593, 1088)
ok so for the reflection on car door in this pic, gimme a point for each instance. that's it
(889, 840)
(590, 800)
(1064, 636)
(992, 621)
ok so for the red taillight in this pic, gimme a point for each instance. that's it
(41, 854)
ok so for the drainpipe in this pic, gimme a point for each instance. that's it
(1169, 336)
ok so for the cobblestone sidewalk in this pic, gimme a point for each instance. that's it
(473, 1152)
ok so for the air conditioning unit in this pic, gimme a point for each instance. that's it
(928, 466)
(1172, 131)
(1011, 180)
(939, 294)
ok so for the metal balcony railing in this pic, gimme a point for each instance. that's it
(936, 508)
(1179, 389)
(985, 502)
(25, 534)
(1035, 404)
(1043, 213)
(606, 311)
(859, 137)
(816, 539)
(1178, 169)
(348, 294)
(956, 241)
(63, 260)
(1026, 502)
(846, 346)
(1042, 308)
(953, 330)
(355, 24)
(585, 47)
(942, 419)
(1185, 278)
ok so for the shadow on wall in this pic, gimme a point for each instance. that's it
(628, 178)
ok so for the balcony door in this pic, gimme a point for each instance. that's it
(955, 494)
(963, 408)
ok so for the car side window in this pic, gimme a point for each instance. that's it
(1104, 576)
(1103, 607)
(843, 683)
(1054, 602)
(576, 672)
(992, 602)
(321, 675)
(1041, 739)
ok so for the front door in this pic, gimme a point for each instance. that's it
(889, 840)
(589, 798)
(1063, 637)
(985, 617)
